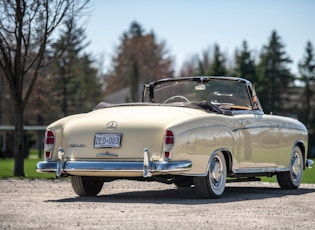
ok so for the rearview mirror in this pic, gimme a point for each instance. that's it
(200, 87)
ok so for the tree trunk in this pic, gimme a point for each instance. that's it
(18, 149)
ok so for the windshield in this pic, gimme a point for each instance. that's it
(222, 93)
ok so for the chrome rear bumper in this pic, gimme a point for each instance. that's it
(144, 168)
(72, 167)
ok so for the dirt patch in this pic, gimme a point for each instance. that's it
(51, 204)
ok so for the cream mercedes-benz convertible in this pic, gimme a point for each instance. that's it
(193, 131)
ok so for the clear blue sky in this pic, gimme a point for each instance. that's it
(191, 26)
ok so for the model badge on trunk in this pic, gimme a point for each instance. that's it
(77, 145)
(111, 125)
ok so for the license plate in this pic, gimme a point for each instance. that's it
(107, 140)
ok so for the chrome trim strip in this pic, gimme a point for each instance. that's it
(251, 171)
(106, 155)
(255, 127)
(260, 170)
(266, 126)
(93, 166)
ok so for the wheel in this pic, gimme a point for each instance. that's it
(292, 179)
(213, 184)
(86, 187)
(178, 97)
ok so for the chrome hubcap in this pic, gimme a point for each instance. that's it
(216, 172)
(296, 167)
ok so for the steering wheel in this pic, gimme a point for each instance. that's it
(174, 97)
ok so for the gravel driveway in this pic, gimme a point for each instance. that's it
(51, 204)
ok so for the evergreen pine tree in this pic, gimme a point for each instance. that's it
(307, 76)
(217, 66)
(273, 74)
(139, 53)
(74, 79)
(245, 64)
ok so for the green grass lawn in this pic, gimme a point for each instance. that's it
(7, 169)
(7, 166)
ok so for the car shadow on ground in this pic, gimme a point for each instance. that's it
(188, 196)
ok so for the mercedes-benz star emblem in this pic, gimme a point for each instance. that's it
(111, 125)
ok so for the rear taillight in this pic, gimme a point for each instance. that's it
(169, 141)
(49, 143)
(49, 137)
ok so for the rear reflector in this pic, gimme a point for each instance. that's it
(47, 154)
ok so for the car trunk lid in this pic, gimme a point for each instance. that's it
(121, 132)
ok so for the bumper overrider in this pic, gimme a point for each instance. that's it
(146, 168)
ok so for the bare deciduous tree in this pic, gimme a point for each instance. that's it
(27, 28)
